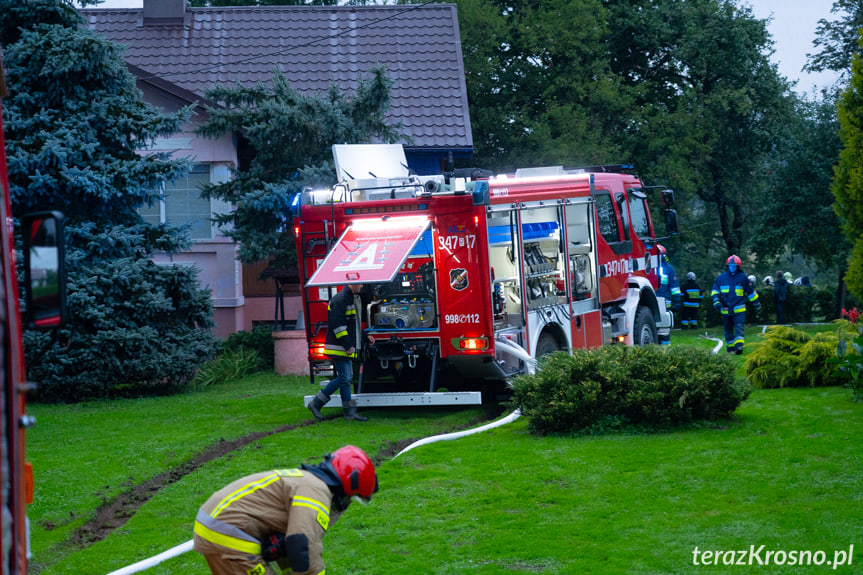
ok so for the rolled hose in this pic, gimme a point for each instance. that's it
(502, 344)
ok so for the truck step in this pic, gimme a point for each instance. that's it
(404, 399)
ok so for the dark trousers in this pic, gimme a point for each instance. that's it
(733, 325)
(689, 316)
(780, 312)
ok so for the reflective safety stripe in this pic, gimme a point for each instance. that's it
(691, 304)
(336, 349)
(323, 516)
(235, 543)
(340, 332)
(243, 491)
(300, 501)
(739, 308)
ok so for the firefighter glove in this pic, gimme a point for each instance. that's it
(294, 548)
(272, 545)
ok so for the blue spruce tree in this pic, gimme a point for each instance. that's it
(74, 120)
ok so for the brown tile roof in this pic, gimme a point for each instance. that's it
(420, 46)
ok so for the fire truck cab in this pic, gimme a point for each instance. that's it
(459, 270)
(44, 308)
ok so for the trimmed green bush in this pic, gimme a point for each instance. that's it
(614, 386)
(789, 357)
(259, 339)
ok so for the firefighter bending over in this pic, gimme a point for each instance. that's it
(340, 346)
(729, 293)
(281, 516)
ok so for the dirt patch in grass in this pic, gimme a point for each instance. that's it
(114, 514)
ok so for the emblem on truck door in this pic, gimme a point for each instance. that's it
(458, 279)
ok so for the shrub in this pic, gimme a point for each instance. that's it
(790, 357)
(259, 339)
(849, 360)
(135, 328)
(230, 365)
(650, 386)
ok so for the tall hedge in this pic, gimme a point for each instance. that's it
(652, 386)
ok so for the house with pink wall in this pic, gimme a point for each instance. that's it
(177, 53)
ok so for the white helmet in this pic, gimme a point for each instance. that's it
(690, 276)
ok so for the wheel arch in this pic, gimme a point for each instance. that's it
(556, 331)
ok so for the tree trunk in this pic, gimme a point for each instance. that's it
(840, 294)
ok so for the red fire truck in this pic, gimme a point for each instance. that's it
(459, 269)
(43, 263)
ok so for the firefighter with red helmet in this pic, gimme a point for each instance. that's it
(281, 515)
(730, 291)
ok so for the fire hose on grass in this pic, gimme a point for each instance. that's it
(502, 344)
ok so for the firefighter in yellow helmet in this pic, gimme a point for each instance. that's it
(281, 516)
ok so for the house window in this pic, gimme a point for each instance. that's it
(183, 204)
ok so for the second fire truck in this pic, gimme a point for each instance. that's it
(458, 269)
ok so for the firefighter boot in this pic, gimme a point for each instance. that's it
(318, 401)
(350, 409)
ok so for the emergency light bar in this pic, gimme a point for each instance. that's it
(388, 221)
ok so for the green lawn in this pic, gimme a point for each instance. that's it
(785, 473)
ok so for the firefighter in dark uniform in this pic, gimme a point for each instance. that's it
(669, 287)
(691, 302)
(730, 291)
(340, 346)
(280, 516)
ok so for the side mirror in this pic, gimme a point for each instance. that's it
(671, 222)
(44, 270)
(667, 198)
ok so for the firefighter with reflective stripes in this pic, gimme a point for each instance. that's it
(281, 516)
(669, 288)
(691, 302)
(340, 346)
(730, 291)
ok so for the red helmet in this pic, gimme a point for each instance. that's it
(356, 471)
(733, 260)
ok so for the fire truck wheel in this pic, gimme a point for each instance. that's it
(645, 327)
(547, 344)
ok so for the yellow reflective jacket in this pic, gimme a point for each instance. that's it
(288, 501)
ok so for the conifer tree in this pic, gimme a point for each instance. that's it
(848, 176)
(74, 120)
(288, 138)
